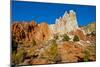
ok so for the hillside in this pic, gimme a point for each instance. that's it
(62, 42)
(90, 28)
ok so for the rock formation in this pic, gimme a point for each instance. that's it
(90, 28)
(42, 31)
(66, 23)
(63, 41)
(30, 31)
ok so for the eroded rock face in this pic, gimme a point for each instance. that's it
(42, 31)
(30, 31)
(74, 52)
(90, 28)
(70, 52)
(80, 34)
(67, 23)
(44, 44)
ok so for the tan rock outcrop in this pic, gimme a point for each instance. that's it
(30, 31)
(42, 32)
(80, 34)
(70, 52)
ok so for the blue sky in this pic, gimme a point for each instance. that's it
(47, 12)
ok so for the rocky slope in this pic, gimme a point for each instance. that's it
(62, 42)
(90, 28)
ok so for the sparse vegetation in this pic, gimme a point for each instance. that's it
(86, 57)
(51, 52)
(14, 45)
(31, 45)
(76, 38)
(33, 42)
(93, 33)
(89, 52)
(65, 37)
(18, 57)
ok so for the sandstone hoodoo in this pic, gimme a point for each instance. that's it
(42, 31)
(66, 23)
(30, 31)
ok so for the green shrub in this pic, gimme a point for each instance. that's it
(76, 38)
(14, 45)
(33, 42)
(18, 57)
(86, 56)
(89, 51)
(65, 37)
(93, 33)
(51, 52)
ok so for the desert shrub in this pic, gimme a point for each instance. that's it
(18, 57)
(33, 42)
(86, 56)
(13, 57)
(89, 52)
(14, 45)
(93, 33)
(65, 37)
(51, 52)
(76, 38)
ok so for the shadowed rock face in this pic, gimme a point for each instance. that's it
(30, 31)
